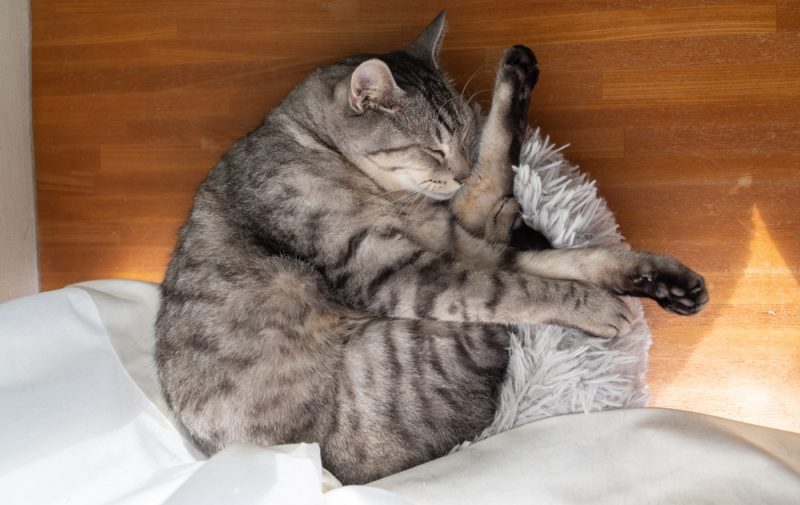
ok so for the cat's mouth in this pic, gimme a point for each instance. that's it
(439, 195)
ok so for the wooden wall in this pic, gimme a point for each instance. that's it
(687, 113)
(19, 274)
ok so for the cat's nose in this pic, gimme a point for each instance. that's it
(459, 168)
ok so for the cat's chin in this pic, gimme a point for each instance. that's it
(439, 197)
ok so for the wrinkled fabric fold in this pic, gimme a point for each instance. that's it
(79, 423)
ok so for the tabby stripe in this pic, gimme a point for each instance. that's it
(340, 281)
(387, 306)
(352, 247)
(335, 412)
(581, 301)
(577, 303)
(522, 282)
(498, 290)
(508, 260)
(398, 426)
(450, 129)
(417, 340)
(203, 343)
(353, 415)
(383, 275)
(473, 337)
(426, 295)
(275, 246)
(312, 227)
(448, 397)
(180, 297)
(570, 294)
(466, 358)
(438, 96)
(369, 379)
(435, 361)
(495, 337)
(426, 407)
(394, 360)
(416, 398)
(452, 236)
(326, 143)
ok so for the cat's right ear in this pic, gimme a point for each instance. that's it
(427, 45)
(372, 85)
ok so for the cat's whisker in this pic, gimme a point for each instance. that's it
(410, 202)
(441, 107)
(418, 204)
(379, 195)
(481, 70)
(407, 203)
(391, 208)
(478, 92)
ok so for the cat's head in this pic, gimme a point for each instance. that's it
(403, 123)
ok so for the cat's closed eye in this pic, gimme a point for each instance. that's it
(437, 154)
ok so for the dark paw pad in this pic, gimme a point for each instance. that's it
(522, 60)
(675, 287)
(519, 67)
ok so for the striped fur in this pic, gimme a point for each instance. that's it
(324, 290)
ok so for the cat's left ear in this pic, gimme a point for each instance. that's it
(427, 45)
(372, 85)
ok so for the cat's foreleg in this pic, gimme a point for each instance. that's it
(485, 205)
(427, 285)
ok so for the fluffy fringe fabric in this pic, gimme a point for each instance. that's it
(554, 370)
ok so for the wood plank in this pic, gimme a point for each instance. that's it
(711, 83)
(687, 114)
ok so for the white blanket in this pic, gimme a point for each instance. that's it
(81, 422)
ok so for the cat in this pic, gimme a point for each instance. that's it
(345, 275)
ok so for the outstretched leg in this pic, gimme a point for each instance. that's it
(663, 278)
(485, 204)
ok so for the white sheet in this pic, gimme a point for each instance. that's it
(621, 457)
(77, 426)
(74, 427)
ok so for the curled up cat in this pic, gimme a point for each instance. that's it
(349, 268)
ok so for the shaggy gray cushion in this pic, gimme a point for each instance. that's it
(554, 370)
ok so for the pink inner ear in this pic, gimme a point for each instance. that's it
(354, 101)
(372, 80)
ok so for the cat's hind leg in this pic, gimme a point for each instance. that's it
(666, 280)
(408, 391)
(485, 205)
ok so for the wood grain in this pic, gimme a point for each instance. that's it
(687, 113)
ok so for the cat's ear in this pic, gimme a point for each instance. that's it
(427, 45)
(372, 85)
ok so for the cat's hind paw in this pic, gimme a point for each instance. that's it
(672, 285)
(520, 71)
(595, 311)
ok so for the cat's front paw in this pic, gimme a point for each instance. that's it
(675, 287)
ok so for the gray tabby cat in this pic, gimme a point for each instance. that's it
(342, 280)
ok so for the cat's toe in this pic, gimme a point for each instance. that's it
(601, 313)
(615, 323)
